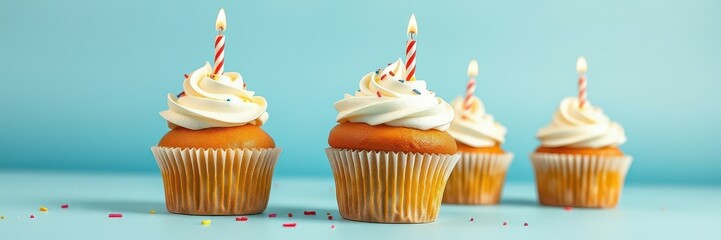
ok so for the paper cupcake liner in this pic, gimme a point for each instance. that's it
(216, 181)
(389, 187)
(580, 180)
(477, 178)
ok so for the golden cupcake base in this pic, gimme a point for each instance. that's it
(389, 187)
(580, 180)
(477, 178)
(216, 181)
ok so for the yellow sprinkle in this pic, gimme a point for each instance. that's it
(205, 222)
(43, 209)
(2, 217)
(152, 211)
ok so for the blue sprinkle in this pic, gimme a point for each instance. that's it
(401, 80)
(416, 91)
(228, 100)
(377, 71)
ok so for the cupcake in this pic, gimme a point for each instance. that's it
(480, 173)
(579, 162)
(390, 152)
(216, 160)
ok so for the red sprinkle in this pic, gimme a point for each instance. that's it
(290, 214)
(378, 93)
(330, 217)
(115, 215)
(64, 206)
(32, 216)
(309, 213)
(383, 76)
(272, 215)
(568, 208)
(505, 223)
(185, 75)
(471, 219)
(391, 73)
(332, 226)
(525, 224)
(241, 219)
(289, 224)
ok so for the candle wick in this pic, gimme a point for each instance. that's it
(412, 35)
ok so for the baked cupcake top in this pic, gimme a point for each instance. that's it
(385, 97)
(577, 127)
(474, 127)
(221, 102)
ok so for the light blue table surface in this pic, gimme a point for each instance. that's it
(650, 212)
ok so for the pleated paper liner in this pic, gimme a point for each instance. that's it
(216, 181)
(580, 180)
(389, 187)
(477, 178)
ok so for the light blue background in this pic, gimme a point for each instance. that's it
(83, 81)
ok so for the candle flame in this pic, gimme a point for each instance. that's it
(473, 68)
(412, 26)
(581, 65)
(220, 21)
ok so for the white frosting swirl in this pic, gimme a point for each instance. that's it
(585, 127)
(386, 98)
(474, 127)
(221, 102)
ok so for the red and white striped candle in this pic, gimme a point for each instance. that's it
(411, 49)
(581, 68)
(471, 86)
(219, 59)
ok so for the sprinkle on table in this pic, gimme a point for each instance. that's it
(332, 226)
(2, 217)
(43, 209)
(64, 206)
(289, 225)
(32, 216)
(567, 208)
(205, 222)
(471, 219)
(327, 214)
(272, 215)
(152, 211)
(290, 214)
(525, 224)
(241, 219)
(505, 223)
(115, 215)
(309, 213)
